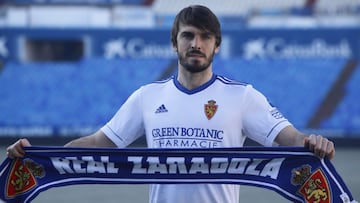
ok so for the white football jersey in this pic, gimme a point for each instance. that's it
(220, 113)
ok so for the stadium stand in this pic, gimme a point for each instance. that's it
(230, 8)
(87, 93)
(66, 94)
(346, 116)
(287, 83)
(149, 13)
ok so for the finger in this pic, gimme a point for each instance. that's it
(21, 144)
(10, 155)
(330, 151)
(19, 148)
(25, 142)
(16, 149)
(13, 153)
(318, 146)
(310, 142)
(324, 147)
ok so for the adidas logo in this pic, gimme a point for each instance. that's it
(161, 109)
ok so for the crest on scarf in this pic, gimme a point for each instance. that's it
(314, 186)
(22, 177)
(210, 109)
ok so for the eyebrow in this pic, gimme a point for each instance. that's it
(186, 32)
(203, 33)
(208, 33)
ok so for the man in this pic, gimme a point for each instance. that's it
(196, 109)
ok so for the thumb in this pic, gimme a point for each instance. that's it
(25, 142)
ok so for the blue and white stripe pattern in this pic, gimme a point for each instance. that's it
(268, 167)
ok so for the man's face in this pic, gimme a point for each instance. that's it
(195, 47)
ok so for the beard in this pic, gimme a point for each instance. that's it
(195, 65)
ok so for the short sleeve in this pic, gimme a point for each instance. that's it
(127, 124)
(262, 121)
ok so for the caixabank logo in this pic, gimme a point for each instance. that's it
(314, 186)
(282, 48)
(136, 47)
(22, 177)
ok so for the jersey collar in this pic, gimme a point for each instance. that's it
(196, 90)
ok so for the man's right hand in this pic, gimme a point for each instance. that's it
(16, 150)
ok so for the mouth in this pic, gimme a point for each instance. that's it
(195, 54)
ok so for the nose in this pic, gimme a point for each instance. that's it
(195, 43)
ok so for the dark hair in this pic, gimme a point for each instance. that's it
(200, 17)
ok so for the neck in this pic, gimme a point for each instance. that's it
(193, 80)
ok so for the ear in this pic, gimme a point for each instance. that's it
(174, 47)
(217, 49)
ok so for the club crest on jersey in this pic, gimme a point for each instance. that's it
(22, 177)
(210, 109)
(314, 186)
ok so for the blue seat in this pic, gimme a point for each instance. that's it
(89, 92)
(347, 114)
(71, 94)
(295, 86)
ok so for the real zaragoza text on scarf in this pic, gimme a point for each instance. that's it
(295, 173)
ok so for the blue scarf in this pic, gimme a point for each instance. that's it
(294, 173)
